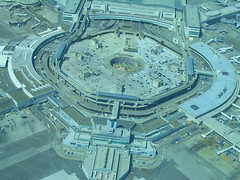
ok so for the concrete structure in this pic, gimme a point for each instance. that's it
(110, 145)
(20, 99)
(109, 150)
(8, 49)
(163, 10)
(161, 15)
(22, 72)
(143, 148)
(59, 52)
(223, 87)
(120, 123)
(4, 60)
(106, 163)
(160, 22)
(190, 67)
(192, 22)
(6, 105)
(79, 139)
(214, 16)
(110, 142)
(116, 136)
(72, 11)
(28, 2)
(61, 175)
(61, 4)
(70, 118)
(141, 78)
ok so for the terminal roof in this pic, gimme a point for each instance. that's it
(222, 88)
(120, 123)
(18, 95)
(77, 116)
(167, 3)
(106, 163)
(6, 103)
(72, 6)
(191, 16)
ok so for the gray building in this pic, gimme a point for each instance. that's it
(192, 21)
(6, 105)
(20, 99)
(72, 11)
(106, 163)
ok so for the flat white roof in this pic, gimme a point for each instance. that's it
(223, 86)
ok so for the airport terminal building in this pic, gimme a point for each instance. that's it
(120, 79)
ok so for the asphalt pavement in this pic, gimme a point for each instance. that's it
(40, 166)
(34, 158)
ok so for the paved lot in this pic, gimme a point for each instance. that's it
(40, 166)
(166, 171)
(33, 158)
(17, 128)
(188, 161)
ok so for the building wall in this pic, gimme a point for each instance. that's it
(85, 172)
(192, 32)
(159, 12)
(43, 97)
(24, 104)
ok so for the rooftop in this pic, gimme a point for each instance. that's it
(150, 125)
(18, 95)
(223, 85)
(120, 123)
(72, 6)
(6, 103)
(61, 120)
(106, 163)
(28, 2)
(77, 116)
(192, 17)
(166, 3)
